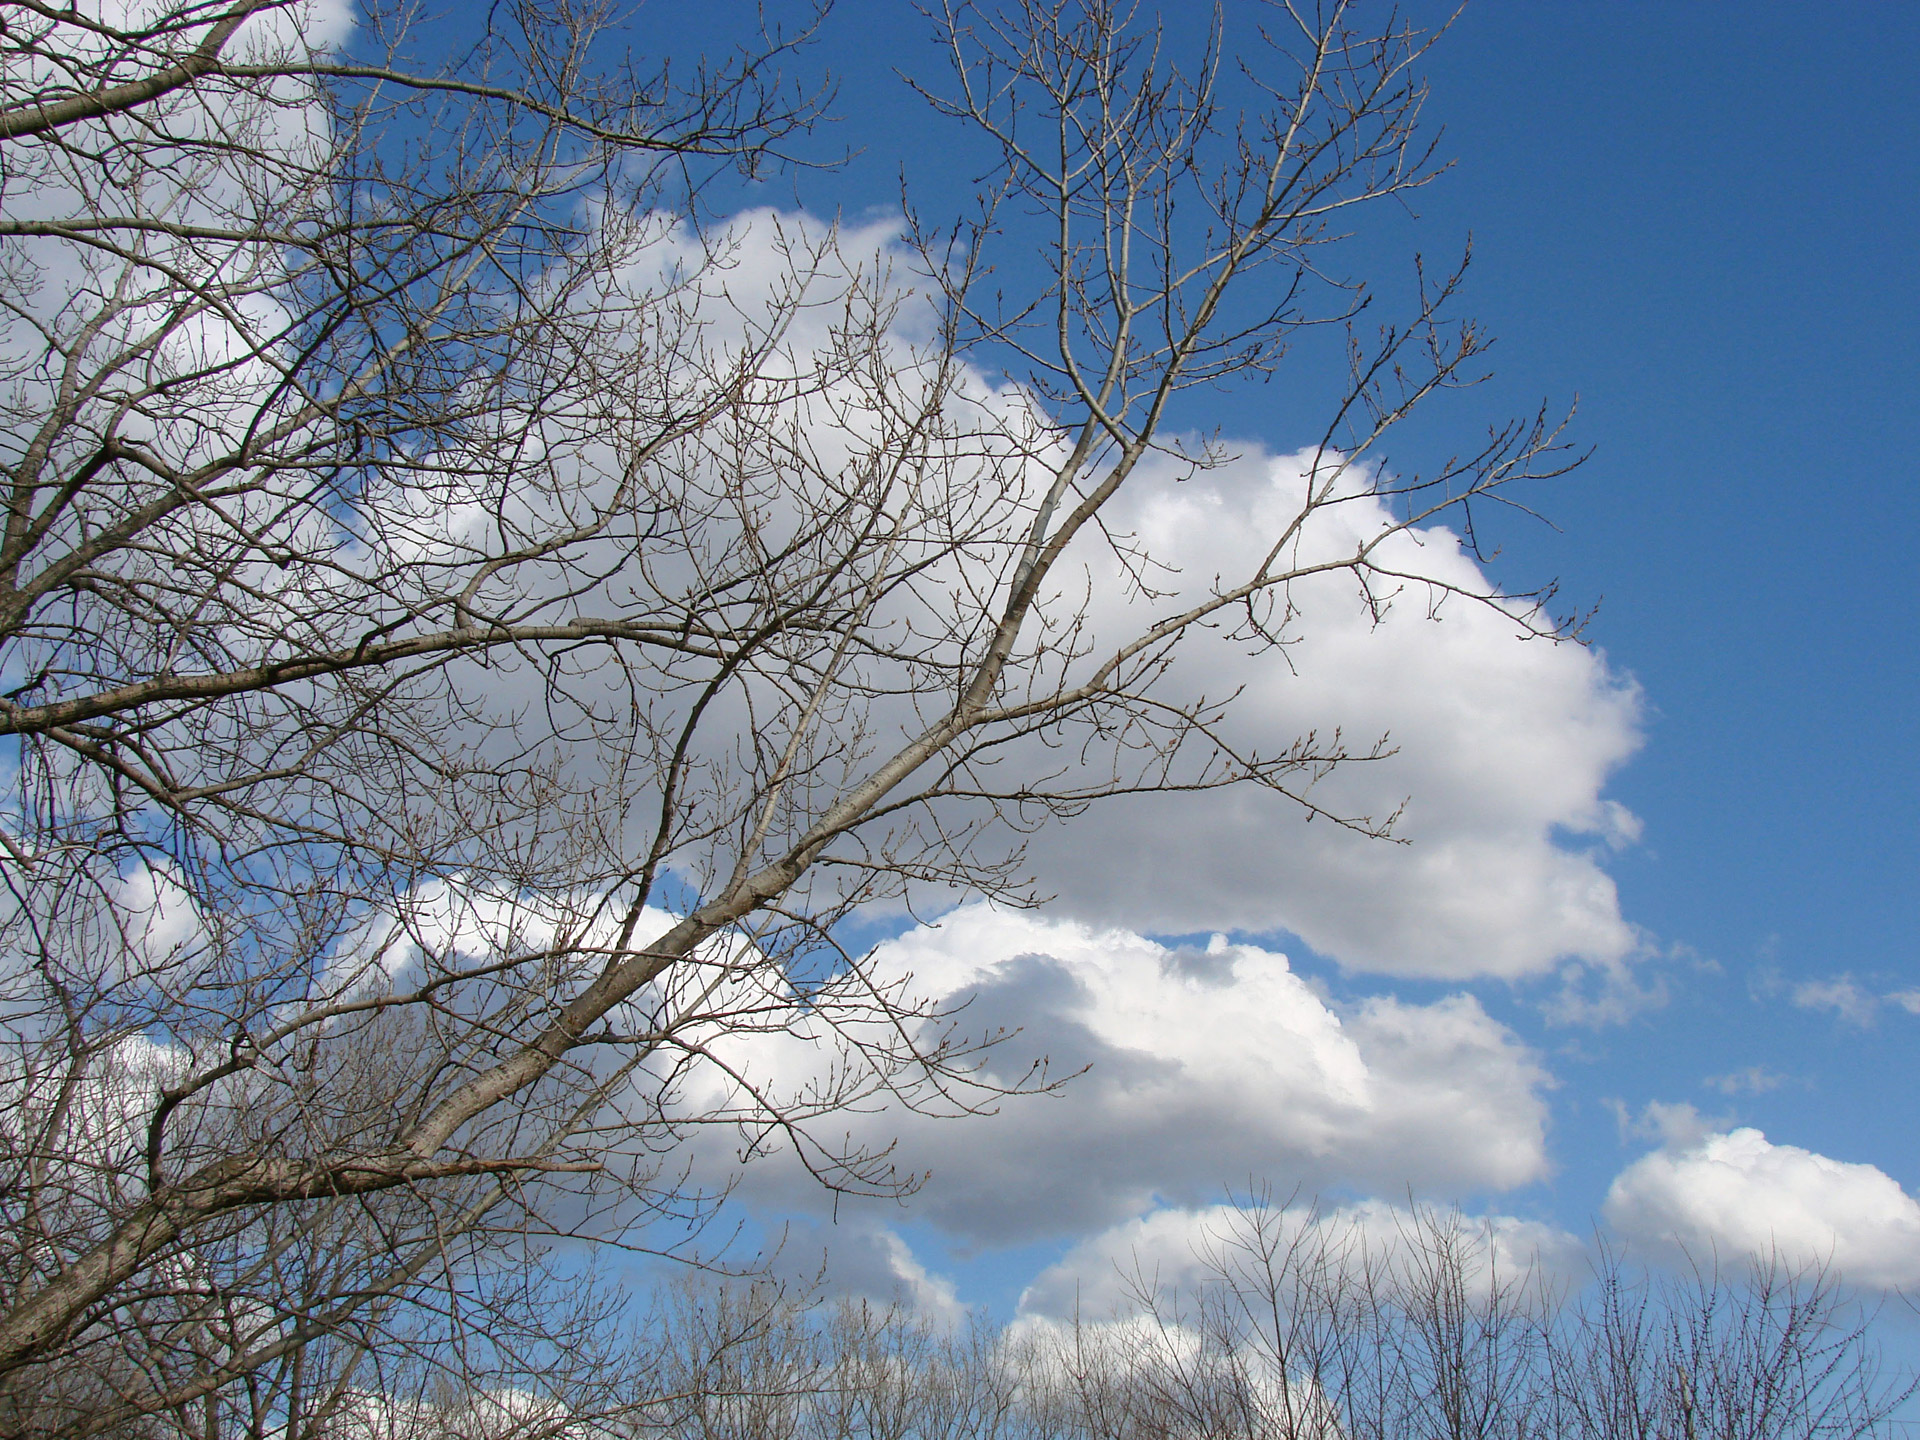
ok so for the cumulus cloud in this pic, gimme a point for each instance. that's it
(154, 917)
(861, 1256)
(1203, 1066)
(94, 1112)
(1501, 751)
(1183, 1250)
(1209, 1063)
(455, 922)
(1501, 746)
(1736, 1193)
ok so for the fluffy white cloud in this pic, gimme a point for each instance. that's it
(1185, 1249)
(860, 1255)
(1204, 1066)
(1736, 1193)
(153, 918)
(1502, 747)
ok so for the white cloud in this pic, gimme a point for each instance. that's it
(1205, 1066)
(1674, 1126)
(154, 918)
(1212, 1064)
(1185, 1249)
(1502, 745)
(1753, 1080)
(1841, 994)
(1849, 1000)
(859, 1256)
(1736, 1193)
(88, 1116)
(1502, 748)
(455, 921)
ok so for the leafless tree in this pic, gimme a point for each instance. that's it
(472, 625)
(1766, 1349)
(1303, 1326)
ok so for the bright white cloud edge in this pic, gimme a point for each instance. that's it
(1205, 1066)
(1736, 1195)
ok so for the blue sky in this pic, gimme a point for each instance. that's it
(1702, 221)
(1641, 973)
(1703, 218)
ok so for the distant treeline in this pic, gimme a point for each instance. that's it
(1300, 1328)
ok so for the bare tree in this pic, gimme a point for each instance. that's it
(1300, 1325)
(472, 625)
